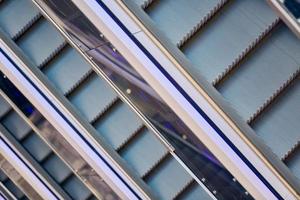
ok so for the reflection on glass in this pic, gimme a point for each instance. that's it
(187, 146)
(56, 141)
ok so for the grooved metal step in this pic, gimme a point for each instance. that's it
(237, 26)
(166, 15)
(166, 171)
(279, 126)
(16, 16)
(39, 36)
(260, 75)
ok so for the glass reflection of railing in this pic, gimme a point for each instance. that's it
(136, 92)
(55, 140)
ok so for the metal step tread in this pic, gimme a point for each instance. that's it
(168, 179)
(35, 42)
(294, 162)
(16, 125)
(279, 126)
(192, 192)
(262, 74)
(143, 152)
(118, 125)
(92, 96)
(226, 37)
(16, 16)
(59, 70)
(177, 18)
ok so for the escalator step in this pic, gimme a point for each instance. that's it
(144, 152)
(250, 85)
(92, 96)
(36, 42)
(3, 176)
(16, 125)
(118, 125)
(279, 126)
(57, 168)
(16, 15)
(230, 34)
(36, 147)
(177, 18)
(168, 179)
(76, 189)
(294, 163)
(4, 107)
(59, 70)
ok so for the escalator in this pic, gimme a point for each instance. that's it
(19, 131)
(248, 55)
(95, 102)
